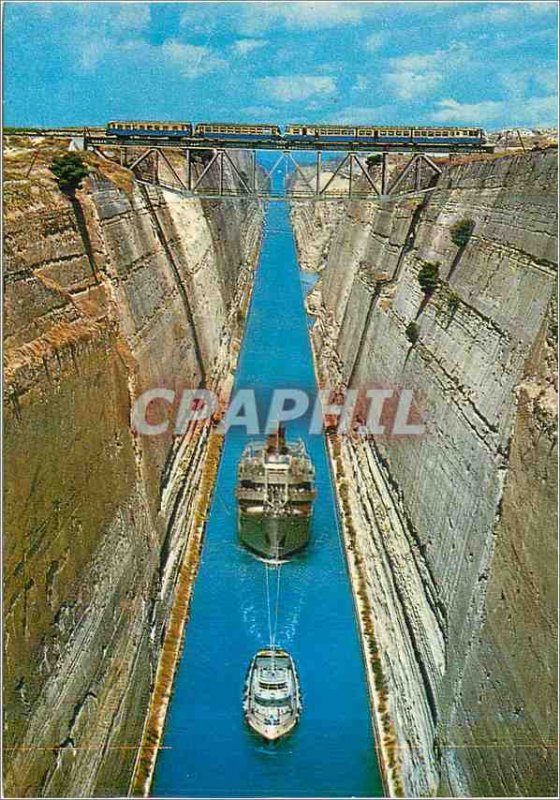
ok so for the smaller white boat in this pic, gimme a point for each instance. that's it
(271, 702)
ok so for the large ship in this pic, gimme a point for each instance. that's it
(272, 702)
(275, 493)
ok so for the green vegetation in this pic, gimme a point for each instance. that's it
(453, 300)
(412, 332)
(428, 277)
(69, 171)
(374, 159)
(461, 231)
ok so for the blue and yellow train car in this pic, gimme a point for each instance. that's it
(313, 133)
(157, 129)
(222, 131)
(385, 135)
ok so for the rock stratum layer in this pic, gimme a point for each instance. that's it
(107, 294)
(456, 529)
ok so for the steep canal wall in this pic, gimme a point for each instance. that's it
(454, 532)
(120, 290)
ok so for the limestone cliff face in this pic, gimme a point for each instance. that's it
(456, 528)
(117, 291)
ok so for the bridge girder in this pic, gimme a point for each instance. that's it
(204, 171)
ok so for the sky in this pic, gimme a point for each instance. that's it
(492, 64)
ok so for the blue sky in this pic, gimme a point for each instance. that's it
(484, 63)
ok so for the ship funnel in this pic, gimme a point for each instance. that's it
(276, 442)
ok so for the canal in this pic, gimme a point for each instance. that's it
(208, 750)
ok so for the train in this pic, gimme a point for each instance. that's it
(310, 133)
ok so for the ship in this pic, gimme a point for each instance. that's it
(272, 702)
(275, 492)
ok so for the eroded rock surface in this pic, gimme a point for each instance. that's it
(113, 292)
(457, 528)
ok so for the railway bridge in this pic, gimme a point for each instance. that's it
(313, 171)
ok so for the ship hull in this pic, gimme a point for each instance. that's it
(274, 537)
(270, 732)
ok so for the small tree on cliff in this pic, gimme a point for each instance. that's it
(69, 171)
(374, 159)
(412, 332)
(461, 232)
(428, 277)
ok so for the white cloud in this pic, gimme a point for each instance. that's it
(244, 46)
(532, 111)
(408, 85)
(287, 88)
(364, 114)
(361, 84)
(373, 42)
(98, 35)
(450, 110)
(308, 15)
(496, 14)
(548, 80)
(192, 60)
(543, 7)
(131, 17)
(491, 14)
(542, 112)
(417, 75)
(91, 52)
(259, 113)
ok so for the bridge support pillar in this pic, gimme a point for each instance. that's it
(384, 172)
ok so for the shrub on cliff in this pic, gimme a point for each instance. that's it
(412, 332)
(461, 231)
(453, 301)
(374, 160)
(69, 171)
(428, 277)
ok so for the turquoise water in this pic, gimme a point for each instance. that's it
(209, 751)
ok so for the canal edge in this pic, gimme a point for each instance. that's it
(174, 635)
(390, 773)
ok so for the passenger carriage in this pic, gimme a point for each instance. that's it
(139, 128)
(223, 131)
(386, 135)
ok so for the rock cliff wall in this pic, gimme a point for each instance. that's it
(455, 530)
(113, 292)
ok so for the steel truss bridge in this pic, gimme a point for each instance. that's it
(204, 170)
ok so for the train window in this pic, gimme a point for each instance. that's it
(383, 133)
